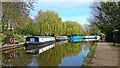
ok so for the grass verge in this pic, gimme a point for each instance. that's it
(18, 38)
(90, 56)
(115, 44)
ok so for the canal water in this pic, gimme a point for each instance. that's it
(62, 54)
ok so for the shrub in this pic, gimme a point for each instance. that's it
(2, 37)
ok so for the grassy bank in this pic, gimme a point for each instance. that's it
(90, 56)
(19, 38)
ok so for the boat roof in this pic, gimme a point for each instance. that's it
(41, 36)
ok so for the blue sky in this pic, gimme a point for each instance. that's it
(75, 11)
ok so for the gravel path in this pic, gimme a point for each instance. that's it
(105, 55)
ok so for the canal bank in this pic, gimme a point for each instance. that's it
(88, 60)
(105, 55)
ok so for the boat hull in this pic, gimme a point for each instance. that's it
(76, 38)
(37, 40)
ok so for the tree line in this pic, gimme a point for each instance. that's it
(49, 22)
(16, 20)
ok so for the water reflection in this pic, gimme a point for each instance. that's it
(19, 58)
(40, 50)
(76, 60)
(55, 55)
(61, 42)
(34, 61)
(69, 54)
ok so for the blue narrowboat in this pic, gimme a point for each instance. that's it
(39, 39)
(76, 38)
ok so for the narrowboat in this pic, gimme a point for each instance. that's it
(76, 38)
(39, 40)
(89, 37)
(85, 40)
(92, 37)
(60, 38)
(98, 38)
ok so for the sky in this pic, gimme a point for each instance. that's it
(73, 11)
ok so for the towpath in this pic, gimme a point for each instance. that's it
(106, 55)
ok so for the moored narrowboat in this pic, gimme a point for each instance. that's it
(76, 38)
(85, 40)
(39, 40)
(60, 38)
(89, 37)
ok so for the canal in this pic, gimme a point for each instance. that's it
(62, 54)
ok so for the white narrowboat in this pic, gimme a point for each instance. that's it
(39, 39)
(89, 37)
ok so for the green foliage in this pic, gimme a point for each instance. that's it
(28, 29)
(73, 28)
(31, 28)
(18, 38)
(94, 30)
(2, 37)
(49, 22)
(14, 15)
(106, 15)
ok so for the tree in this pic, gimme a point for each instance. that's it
(73, 28)
(15, 13)
(49, 22)
(106, 15)
(87, 29)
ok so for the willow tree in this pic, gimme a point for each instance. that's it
(73, 28)
(49, 22)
